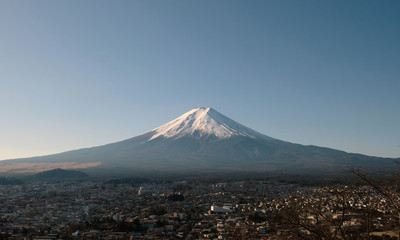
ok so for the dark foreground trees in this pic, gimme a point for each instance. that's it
(368, 211)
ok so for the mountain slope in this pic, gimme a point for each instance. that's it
(204, 139)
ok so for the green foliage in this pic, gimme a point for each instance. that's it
(159, 210)
(128, 226)
(160, 223)
(257, 218)
(176, 198)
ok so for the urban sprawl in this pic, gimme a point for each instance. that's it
(195, 209)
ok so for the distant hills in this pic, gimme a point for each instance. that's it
(59, 174)
(204, 140)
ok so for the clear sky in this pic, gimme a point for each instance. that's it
(77, 74)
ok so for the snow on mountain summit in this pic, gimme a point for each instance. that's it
(204, 122)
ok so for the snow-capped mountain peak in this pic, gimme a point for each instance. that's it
(204, 122)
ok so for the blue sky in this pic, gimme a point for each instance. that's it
(77, 74)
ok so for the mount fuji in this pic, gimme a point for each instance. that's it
(202, 139)
(204, 123)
